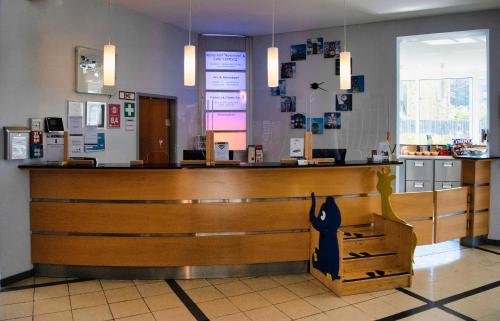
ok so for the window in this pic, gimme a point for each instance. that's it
(442, 87)
(226, 97)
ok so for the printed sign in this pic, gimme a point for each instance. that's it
(129, 109)
(126, 95)
(99, 147)
(225, 60)
(114, 116)
(227, 100)
(226, 81)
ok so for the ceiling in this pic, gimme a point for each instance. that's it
(253, 17)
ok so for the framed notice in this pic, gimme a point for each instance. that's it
(226, 100)
(114, 116)
(96, 114)
(225, 80)
(225, 60)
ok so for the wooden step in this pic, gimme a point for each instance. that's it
(359, 232)
(361, 275)
(364, 244)
(395, 279)
(380, 260)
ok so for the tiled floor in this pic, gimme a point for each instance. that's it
(442, 273)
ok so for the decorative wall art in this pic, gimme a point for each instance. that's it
(298, 52)
(343, 102)
(332, 49)
(89, 72)
(315, 46)
(280, 90)
(288, 104)
(333, 120)
(298, 121)
(315, 125)
(357, 84)
(288, 70)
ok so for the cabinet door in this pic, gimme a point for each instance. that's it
(417, 169)
(447, 170)
(438, 186)
(419, 186)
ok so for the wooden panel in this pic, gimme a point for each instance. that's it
(169, 218)
(153, 130)
(480, 198)
(451, 201)
(413, 205)
(179, 184)
(476, 171)
(450, 228)
(358, 210)
(424, 231)
(169, 251)
(479, 224)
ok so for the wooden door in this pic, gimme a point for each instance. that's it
(154, 122)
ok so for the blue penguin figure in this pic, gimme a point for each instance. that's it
(326, 257)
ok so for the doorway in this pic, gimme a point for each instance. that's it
(156, 129)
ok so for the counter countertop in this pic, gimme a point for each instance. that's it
(46, 165)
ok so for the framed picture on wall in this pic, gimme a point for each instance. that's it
(95, 114)
(89, 72)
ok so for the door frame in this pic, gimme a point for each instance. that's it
(172, 131)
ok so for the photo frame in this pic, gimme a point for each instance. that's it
(95, 114)
(89, 72)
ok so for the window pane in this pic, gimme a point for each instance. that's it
(225, 80)
(227, 100)
(226, 120)
(237, 141)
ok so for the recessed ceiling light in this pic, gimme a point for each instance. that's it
(465, 40)
(440, 42)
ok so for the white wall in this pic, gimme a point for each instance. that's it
(37, 45)
(373, 48)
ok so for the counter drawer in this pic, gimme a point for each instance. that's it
(447, 170)
(419, 186)
(417, 169)
(446, 185)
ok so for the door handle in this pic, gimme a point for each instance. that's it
(448, 164)
(160, 141)
(418, 185)
(419, 164)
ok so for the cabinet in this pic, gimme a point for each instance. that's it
(427, 174)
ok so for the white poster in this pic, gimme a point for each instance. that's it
(90, 137)
(130, 124)
(75, 118)
(225, 60)
(77, 146)
(296, 147)
(226, 80)
(227, 100)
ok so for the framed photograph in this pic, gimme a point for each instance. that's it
(332, 49)
(343, 102)
(298, 121)
(89, 72)
(357, 84)
(315, 46)
(288, 70)
(95, 114)
(315, 125)
(333, 120)
(288, 104)
(298, 52)
(280, 90)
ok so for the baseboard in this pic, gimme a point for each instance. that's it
(16, 277)
(492, 242)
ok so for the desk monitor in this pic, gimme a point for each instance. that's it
(338, 154)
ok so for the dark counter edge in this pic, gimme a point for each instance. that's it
(179, 166)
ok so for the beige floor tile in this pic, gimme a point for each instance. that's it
(433, 315)
(86, 300)
(233, 317)
(490, 317)
(316, 317)
(305, 289)
(52, 305)
(163, 302)
(383, 293)
(151, 289)
(122, 294)
(355, 298)
(22, 319)
(401, 301)
(137, 282)
(221, 280)
(270, 313)
(17, 310)
(479, 305)
(128, 308)
(58, 316)
(297, 309)
(319, 284)
(348, 313)
(289, 278)
(249, 301)
(326, 301)
(208, 293)
(177, 314)
(218, 308)
(278, 295)
(192, 284)
(53, 291)
(116, 284)
(43, 279)
(24, 282)
(261, 283)
(378, 308)
(17, 296)
(233, 288)
(142, 317)
(98, 313)
(84, 287)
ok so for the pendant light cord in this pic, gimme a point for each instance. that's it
(190, 8)
(345, 25)
(109, 22)
(274, 22)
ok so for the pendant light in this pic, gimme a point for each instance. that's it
(109, 58)
(273, 58)
(189, 58)
(345, 60)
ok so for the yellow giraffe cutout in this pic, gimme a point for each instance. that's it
(384, 186)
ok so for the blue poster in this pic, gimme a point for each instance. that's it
(99, 147)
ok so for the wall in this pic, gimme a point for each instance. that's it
(37, 44)
(373, 48)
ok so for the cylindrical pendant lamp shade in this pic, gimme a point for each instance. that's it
(345, 70)
(109, 65)
(272, 67)
(189, 65)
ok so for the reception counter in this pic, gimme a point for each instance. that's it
(115, 220)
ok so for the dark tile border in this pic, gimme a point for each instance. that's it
(17, 277)
(186, 300)
(41, 285)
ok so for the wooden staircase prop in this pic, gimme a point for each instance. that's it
(375, 257)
